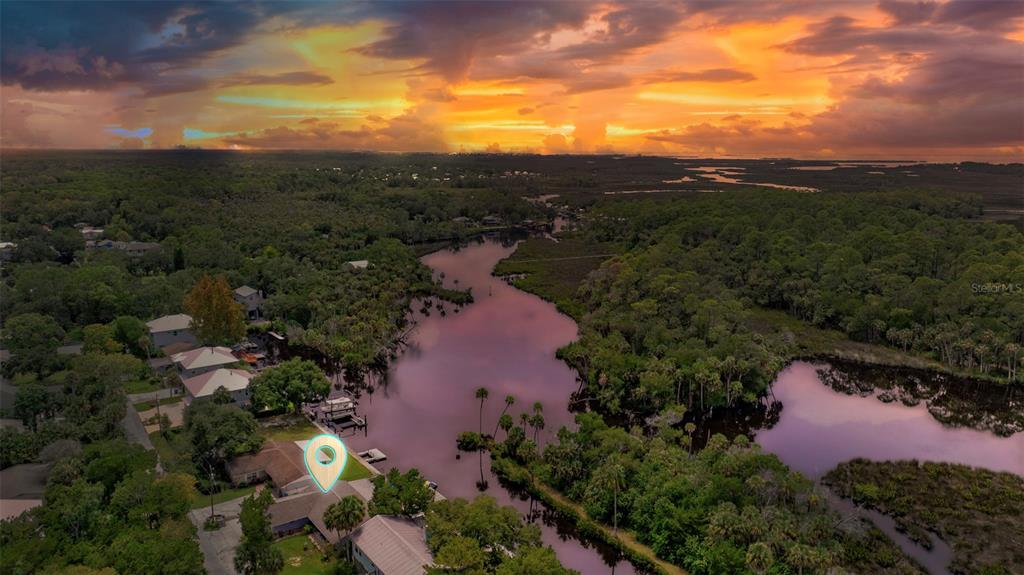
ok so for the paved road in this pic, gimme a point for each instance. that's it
(133, 428)
(151, 395)
(219, 546)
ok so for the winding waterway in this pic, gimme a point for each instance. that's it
(506, 340)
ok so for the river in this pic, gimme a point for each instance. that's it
(818, 415)
(505, 341)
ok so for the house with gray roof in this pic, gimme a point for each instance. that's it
(170, 329)
(390, 545)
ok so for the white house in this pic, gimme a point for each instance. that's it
(202, 360)
(172, 329)
(359, 264)
(251, 301)
(235, 381)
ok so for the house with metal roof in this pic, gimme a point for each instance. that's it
(171, 329)
(235, 381)
(390, 545)
(201, 360)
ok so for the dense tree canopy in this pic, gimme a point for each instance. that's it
(479, 536)
(729, 508)
(397, 493)
(288, 385)
(106, 508)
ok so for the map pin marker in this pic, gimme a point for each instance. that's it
(325, 473)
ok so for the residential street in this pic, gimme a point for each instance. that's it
(219, 546)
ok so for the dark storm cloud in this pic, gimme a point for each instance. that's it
(843, 35)
(626, 29)
(904, 12)
(982, 14)
(448, 36)
(977, 14)
(97, 45)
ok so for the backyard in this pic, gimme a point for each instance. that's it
(301, 557)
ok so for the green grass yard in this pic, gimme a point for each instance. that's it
(201, 500)
(300, 561)
(141, 386)
(354, 470)
(297, 430)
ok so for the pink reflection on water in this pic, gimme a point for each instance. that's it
(821, 428)
(504, 341)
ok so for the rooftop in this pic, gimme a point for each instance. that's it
(397, 546)
(244, 291)
(230, 379)
(175, 322)
(204, 357)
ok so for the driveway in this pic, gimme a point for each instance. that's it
(151, 395)
(219, 546)
(133, 428)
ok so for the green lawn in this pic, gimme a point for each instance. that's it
(147, 405)
(354, 470)
(299, 561)
(141, 386)
(226, 495)
(296, 430)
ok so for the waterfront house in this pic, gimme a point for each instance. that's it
(293, 513)
(390, 545)
(202, 360)
(280, 462)
(171, 329)
(203, 386)
(251, 301)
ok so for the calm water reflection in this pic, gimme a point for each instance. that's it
(820, 427)
(504, 341)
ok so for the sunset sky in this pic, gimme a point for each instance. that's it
(842, 79)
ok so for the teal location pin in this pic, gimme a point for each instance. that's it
(325, 473)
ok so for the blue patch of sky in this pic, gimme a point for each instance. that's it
(126, 133)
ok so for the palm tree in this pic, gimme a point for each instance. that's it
(760, 557)
(505, 423)
(481, 394)
(509, 400)
(537, 421)
(524, 418)
(345, 515)
(613, 478)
